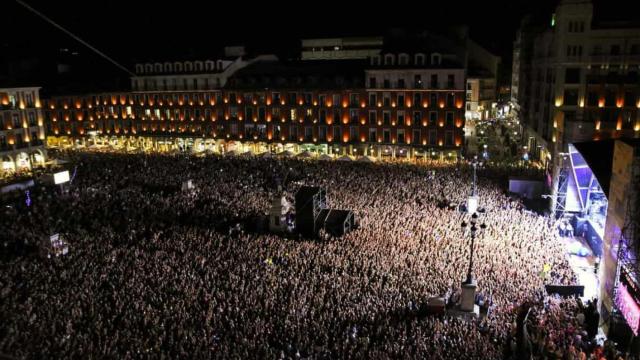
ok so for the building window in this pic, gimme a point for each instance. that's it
(292, 99)
(372, 99)
(353, 133)
(448, 138)
(32, 119)
(353, 99)
(436, 59)
(401, 84)
(570, 97)
(373, 135)
(416, 136)
(293, 133)
(433, 137)
(417, 82)
(323, 116)
(293, 114)
(353, 115)
(372, 82)
(400, 118)
(388, 59)
(400, 99)
(322, 133)
(386, 99)
(373, 118)
(434, 81)
(451, 99)
(451, 81)
(417, 117)
(337, 133)
(337, 115)
(337, 99)
(401, 136)
(275, 97)
(449, 118)
(433, 100)
(433, 118)
(386, 136)
(386, 118)
(417, 99)
(387, 84)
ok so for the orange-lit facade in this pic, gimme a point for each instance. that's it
(325, 114)
(21, 129)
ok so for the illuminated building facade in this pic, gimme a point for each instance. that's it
(575, 78)
(21, 129)
(268, 105)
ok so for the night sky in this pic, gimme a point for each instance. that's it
(130, 30)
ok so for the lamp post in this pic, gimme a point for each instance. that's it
(467, 303)
(472, 201)
(475, 163)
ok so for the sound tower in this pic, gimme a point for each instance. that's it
(310, 204)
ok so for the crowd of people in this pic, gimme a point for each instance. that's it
(154, 271)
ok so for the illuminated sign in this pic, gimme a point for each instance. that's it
(61, 177)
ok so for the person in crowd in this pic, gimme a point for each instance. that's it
(153, 271)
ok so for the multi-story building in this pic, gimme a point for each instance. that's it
(575, 79)
(191, 75)
(21, 129)
(348, 48)
(410, 104)
(482, 73)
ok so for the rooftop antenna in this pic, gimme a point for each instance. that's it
(74, 36)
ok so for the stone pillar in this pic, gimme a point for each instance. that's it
(467, 300)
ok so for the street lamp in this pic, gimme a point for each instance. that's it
(469, 285)
(472, 201)
(475, 163)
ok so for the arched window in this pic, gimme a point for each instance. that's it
(199, 66)
(436, 59)
(139, 68)
(188, 66)
(388, 59)
(403, 59)
(209, 65)
(157, 67)
(220, 65)
(419, 59)
(168, 67)
(148, 68)
(177, 67)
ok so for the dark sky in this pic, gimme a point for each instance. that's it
(129, 30)
(132, 28)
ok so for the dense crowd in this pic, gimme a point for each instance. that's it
(154, 271)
